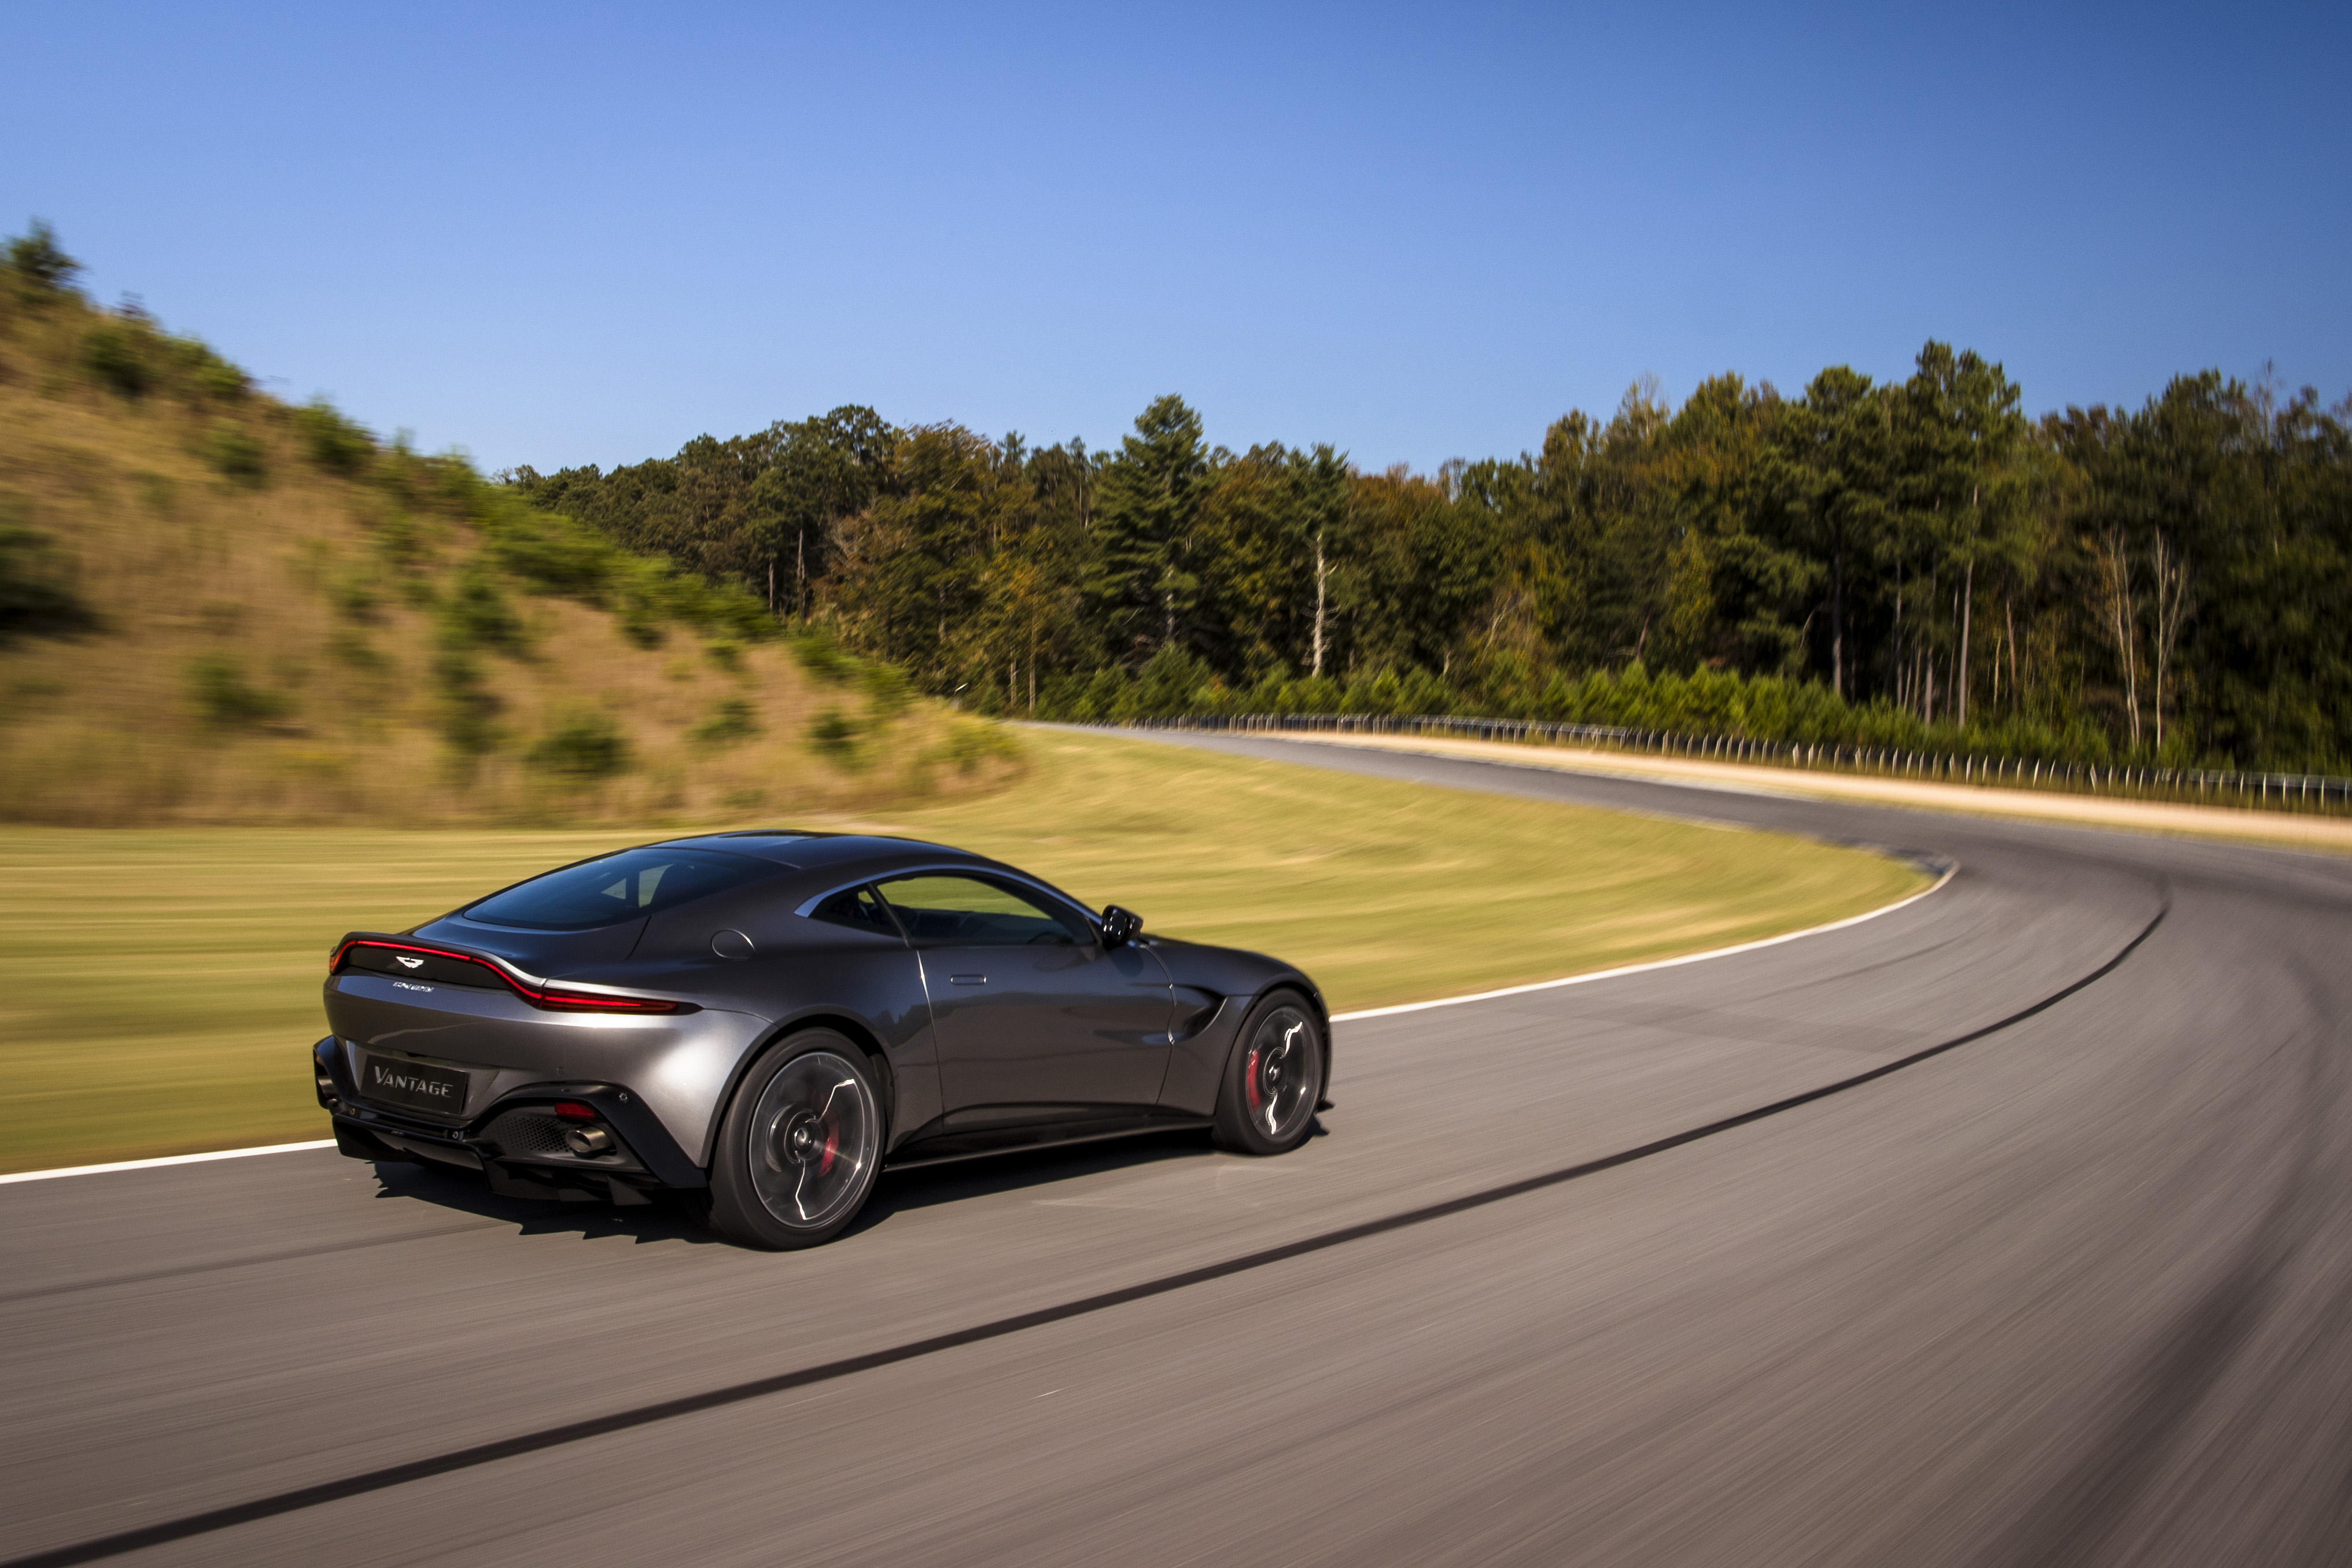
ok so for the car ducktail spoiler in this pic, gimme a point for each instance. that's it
(384, 953)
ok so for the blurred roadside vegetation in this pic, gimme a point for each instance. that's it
(217, 607)
(159, 989)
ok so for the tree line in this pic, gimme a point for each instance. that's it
(1900, 562)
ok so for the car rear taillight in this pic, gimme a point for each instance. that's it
(574, 1111)
(538, 996)
(582, 1002)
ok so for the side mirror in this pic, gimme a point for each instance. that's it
(1119, 925)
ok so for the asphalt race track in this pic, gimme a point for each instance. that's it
(2058, 1271)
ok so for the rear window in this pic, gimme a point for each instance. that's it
(619, 887)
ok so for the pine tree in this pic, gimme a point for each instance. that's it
(1142, 589)
(34, 257)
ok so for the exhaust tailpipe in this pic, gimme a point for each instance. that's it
(588, 1140)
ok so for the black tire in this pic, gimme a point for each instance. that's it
(1281, 1063)
(800, 1146)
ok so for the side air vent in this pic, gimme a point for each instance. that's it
(1194, 1009)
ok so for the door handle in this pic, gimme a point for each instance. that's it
(967, 979)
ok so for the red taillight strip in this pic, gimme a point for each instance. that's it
(582, 1002)
(537, 993)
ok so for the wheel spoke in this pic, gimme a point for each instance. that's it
(1281, 1074)
(818, 1131)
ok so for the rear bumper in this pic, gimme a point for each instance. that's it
(516, 1140)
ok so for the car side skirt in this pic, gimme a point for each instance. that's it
(946, 1148)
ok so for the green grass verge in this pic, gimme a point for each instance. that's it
(158, 990)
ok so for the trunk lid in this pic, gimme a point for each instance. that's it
(398, 1003)
(555, 955)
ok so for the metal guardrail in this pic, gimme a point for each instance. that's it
(2274, 791)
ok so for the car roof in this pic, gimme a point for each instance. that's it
(816, 851)
(838, 859)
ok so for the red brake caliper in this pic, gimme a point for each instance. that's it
(1257, 1100)
(832, 1146)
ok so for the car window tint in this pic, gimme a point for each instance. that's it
(857, 908)
(969, 912)
(614, 888)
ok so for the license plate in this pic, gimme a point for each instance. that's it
(412, 1085)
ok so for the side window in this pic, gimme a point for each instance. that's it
(969, 912)
(857, 908)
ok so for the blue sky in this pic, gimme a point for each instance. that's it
(574, 234)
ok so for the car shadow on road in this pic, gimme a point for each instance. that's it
(985, 1175)
(667, 1218)
(664, 1219)
(926, 1186)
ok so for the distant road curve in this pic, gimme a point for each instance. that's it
(2292, 829)
(2014, 1226)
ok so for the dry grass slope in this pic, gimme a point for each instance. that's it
(277, 640)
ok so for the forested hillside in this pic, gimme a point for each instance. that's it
(216, 607)
(1909, 563)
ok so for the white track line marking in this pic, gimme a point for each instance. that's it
(1335, 1018)
(1652, 963)
(167, 1160)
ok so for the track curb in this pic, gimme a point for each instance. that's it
(165, 1160)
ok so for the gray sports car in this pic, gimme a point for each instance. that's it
(764, 1021)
